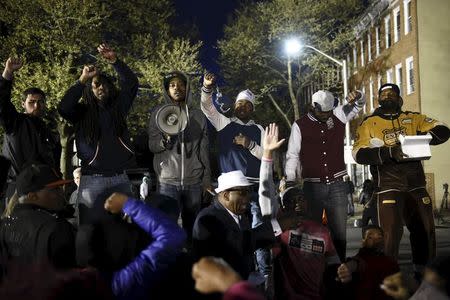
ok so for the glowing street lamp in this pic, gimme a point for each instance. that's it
(293, 47)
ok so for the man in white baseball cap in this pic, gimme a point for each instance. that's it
(240, 147)
(317, 144)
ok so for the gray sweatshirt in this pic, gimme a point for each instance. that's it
(167, 161)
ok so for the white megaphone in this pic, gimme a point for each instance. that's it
(171, 119)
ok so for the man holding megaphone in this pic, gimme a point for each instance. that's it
(178, 138)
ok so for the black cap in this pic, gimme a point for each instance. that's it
(174, 74)
(389, 86)
(37, 176)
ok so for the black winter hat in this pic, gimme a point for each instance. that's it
(37, 176)
(389, 86)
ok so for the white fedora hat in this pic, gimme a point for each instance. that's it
(230, 180)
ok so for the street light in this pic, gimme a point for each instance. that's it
(293, 47)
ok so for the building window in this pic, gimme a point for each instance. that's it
(389, 76)
(361, 43)
(387, 31)
(397, 23)
(355, 60)
(369, 47)
(377, 41)
(398, 77)
(363, 90)
(410, 80)
(407, 15)
(371, 94)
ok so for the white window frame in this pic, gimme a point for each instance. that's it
(363, 90)
(399, 77)
(355, 60)
(371, 94)
(369, 46)
(361, 44)
(410, 82)
(377, 41)
(387, 31)
(389, 76)
(407, 17)
(397, 31)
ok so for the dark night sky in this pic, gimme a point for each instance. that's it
(210, 16)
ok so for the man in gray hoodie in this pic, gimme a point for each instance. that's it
(181, 161)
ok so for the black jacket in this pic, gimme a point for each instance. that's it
(112, 153)
(34, 234)
(27, 138)
(216, 233)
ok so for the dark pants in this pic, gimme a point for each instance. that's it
(415, 210)
(188, 201)
(333, 198)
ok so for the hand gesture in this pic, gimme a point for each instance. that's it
(88, 73)
(114, 204)
(353, 96)
(397, 153)
(107, 53)
(344, 273)
(270, 140)
(394, 286)
(242, 140)
(11, 65)
(209, 80)
(212, 274)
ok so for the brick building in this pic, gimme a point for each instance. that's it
(406, 42)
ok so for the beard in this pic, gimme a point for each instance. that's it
(389, 105)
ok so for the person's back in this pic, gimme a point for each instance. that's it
(34, 232)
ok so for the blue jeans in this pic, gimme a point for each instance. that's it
(333, 198)
(188, 202)
(94, 190)
(263, 257)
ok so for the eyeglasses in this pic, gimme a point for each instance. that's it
(241, 192)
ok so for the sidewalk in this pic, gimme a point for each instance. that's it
(441, 219)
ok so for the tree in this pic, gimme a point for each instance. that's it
(252, 53)
(57, 37)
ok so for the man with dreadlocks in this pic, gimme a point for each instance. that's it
(102, 136)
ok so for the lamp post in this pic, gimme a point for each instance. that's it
(293, 46)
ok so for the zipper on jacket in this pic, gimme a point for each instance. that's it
(126, 147)
(95, 155)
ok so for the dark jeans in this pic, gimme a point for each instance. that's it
(333, 198)
(263, 256)
(188, 202)
(95, 189)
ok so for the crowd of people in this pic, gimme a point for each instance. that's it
(254, 241)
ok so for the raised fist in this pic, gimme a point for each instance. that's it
(88, 73)
(209, 80)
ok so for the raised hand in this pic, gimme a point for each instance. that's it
(270, 140)
(242, 140)
(115, 202)
(212, 274)
(355, 96)
(107, 53)
(209, 80)
(88, 73)
(12, 64)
